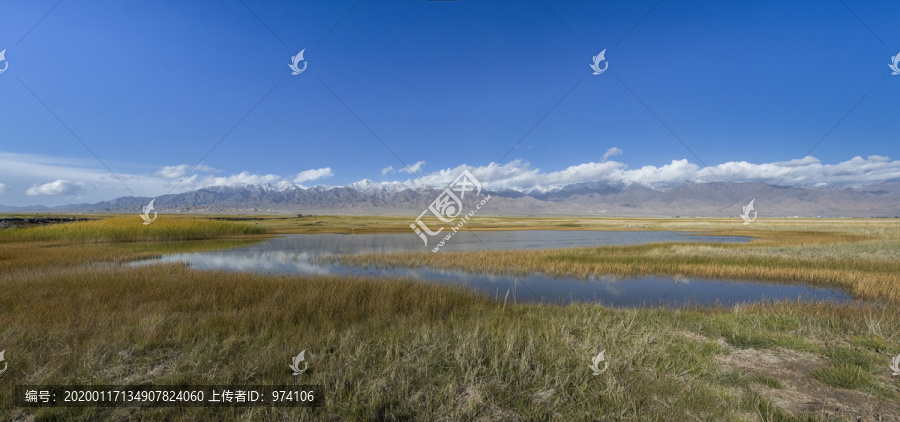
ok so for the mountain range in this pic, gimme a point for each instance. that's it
(712, 199)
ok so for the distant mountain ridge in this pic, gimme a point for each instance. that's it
(711, 199)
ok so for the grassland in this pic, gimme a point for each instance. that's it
(396, 350)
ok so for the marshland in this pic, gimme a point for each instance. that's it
(75, 312)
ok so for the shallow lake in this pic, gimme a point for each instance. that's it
(296, 254)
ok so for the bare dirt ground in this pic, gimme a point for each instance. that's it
(803, 394)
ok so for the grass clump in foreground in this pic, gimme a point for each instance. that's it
(844, 375)
(131, 229)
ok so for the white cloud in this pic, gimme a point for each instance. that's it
(810, 171)
(612, 152)
(314, 174)
(242, 178)
(796, 162)
(174, 172)
(413, 168)
(518, 175)
(387, 170)
(678, 171)
(59, 187)
(2, 187)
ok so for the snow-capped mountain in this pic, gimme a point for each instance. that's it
(280, 186)
(367, 185)
(592, 198)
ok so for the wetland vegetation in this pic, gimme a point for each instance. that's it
(397, 350)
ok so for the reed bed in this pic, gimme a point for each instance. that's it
(131, 229)
(762, 227)
(863, 261)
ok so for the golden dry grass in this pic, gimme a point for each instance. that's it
(395, 349)
(131, 229)
(400, 224)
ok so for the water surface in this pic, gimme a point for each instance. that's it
(296, 254)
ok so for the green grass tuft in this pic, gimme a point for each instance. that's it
(767, 381)
(844, 375)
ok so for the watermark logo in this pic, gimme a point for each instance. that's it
(895, 367)
(146, 215)
(296, 365)
(3, 361)
(296, 60)
(893, 66)
(596, 360)
(746, 215)
(596, 65)
(448, 207)
(6, 62)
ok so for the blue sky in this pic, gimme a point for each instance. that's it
(151, 87)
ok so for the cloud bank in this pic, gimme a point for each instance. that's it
(174, 172)
(808, 171)
(413, 168)
(56, 180)
(59, 187)
(612, 152)
(310, 175)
